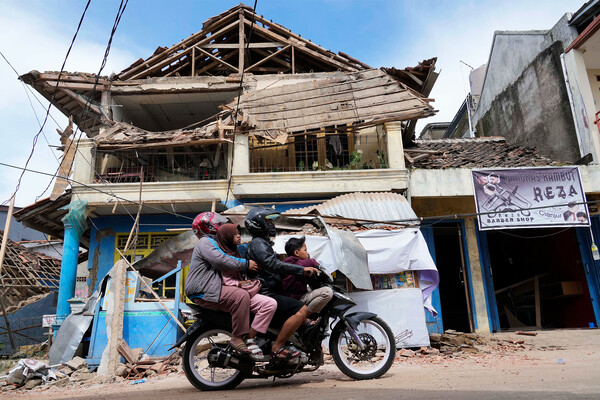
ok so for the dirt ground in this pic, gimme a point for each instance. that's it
(561, 364)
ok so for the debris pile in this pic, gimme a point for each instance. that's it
(27, 374)
(454, 344)
(138, 365)
(452, 341)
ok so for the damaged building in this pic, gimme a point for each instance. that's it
(244, 112)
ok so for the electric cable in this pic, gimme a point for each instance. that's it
(237, 108)
(35, 138)
(438, 218)
(97, 190)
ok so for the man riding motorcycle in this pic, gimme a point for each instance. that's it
(260, 225)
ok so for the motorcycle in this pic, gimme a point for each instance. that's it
(361, 344)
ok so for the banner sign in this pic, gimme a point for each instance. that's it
(530, 198)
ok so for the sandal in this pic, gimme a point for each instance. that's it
(285, 353)
(257, 354)
(311, 324)
(241, 349)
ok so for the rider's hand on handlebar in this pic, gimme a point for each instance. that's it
(253, 266)
(310, 271)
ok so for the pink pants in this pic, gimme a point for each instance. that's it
(238, 303)
(263, 307)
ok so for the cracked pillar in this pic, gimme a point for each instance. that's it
(75, 224)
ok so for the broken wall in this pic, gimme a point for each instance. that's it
(534, 110)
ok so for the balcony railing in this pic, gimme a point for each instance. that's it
(160, 165)
(332, 149)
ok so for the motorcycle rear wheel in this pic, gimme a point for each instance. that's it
(196, 365)
(371, 362)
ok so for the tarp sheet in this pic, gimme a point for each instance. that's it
(407, 322)
(388, 252)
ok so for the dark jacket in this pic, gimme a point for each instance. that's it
(294, 286)
(204, 277)
(273, 269)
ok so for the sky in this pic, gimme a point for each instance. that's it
(35, 35)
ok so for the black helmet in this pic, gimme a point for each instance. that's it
(259, 222)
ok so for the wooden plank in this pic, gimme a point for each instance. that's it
(175, 56)
(64, 77)
(332, 102)
(360, 108)
(77, 85)
(268, 58)
(199, 142)
(219, 60)
(303, 49)
(274, 27)
(349, 117)
(260, 45)
(83, 103)
(193, 61)
(276, 59)
(293, 61)
(242, 42)
(307, 90)
(215, 63)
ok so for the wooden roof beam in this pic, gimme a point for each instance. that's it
(275, 59)
(215, 63)
(169, 60)
(298, 46)
(286, 31)
(81, 101)
(219, 60)
(261, 45)
(268, 58)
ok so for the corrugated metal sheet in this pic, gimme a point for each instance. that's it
(385, 206)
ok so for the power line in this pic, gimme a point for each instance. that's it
(438, 218)
(28, 88)
(70, 180)
(237, 108)
(86, 108)
(35, 138)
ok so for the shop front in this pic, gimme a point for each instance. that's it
(534, 232)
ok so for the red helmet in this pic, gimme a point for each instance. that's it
(207, 223)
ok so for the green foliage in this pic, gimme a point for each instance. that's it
(355, 158)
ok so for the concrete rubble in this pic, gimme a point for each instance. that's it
(138, 365)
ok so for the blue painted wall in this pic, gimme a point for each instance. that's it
(18, 232)
(123, 224)
(148, 223)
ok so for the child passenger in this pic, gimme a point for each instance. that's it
(295, 286)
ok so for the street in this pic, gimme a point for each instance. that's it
(563, 364)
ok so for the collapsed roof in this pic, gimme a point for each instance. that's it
(236, 41)
(203, 71)
(359, 99)
(26, 274)
(472, 153)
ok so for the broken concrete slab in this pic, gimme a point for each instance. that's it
(77, 363)
(31, 383)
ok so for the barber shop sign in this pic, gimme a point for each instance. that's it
(529, 198)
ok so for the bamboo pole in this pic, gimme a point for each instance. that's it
(6, 231)
(2, 253)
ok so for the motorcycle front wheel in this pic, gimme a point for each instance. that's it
(197, 367)
(374, 359)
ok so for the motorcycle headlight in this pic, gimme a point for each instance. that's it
(343, 296)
